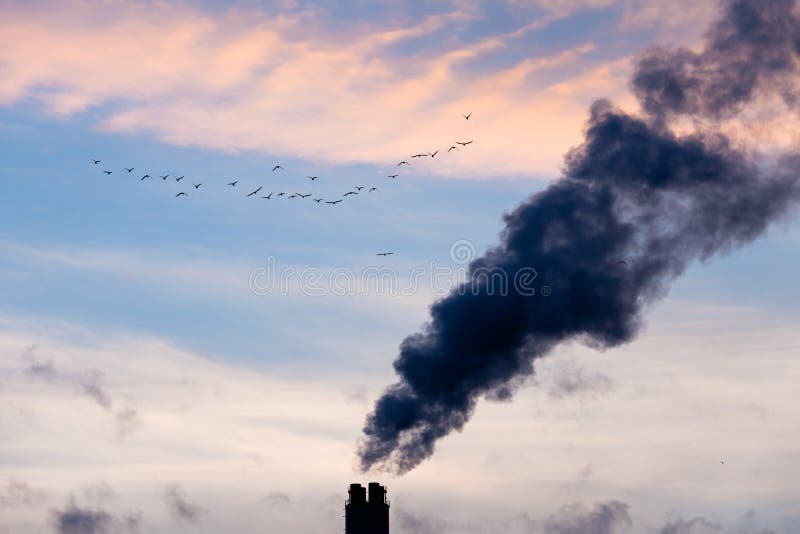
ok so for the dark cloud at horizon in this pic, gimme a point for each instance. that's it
(636, 205)
(74, 519)
(601, 518)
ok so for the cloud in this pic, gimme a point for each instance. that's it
(91, 383)
(569, 380)
(127, 421)
(20, 493)
(240, 80)
(601, 518)
(180, 508)
(697, 525)
(74, 519)
(277, 499)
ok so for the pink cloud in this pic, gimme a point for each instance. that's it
(254, 81)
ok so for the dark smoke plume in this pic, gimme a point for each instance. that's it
(632, 192)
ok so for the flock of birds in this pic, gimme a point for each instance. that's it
(357, 190)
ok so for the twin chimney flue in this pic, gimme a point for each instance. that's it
(366, 515)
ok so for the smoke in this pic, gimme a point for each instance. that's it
(636, 204)
(602, 518)
(180, 507)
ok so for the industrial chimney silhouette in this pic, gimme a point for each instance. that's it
(366, 516)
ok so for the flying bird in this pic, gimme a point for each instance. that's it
(144, 177)
(464, 143)
(233, 184)
(165, 177)
(281, 194)
(372, 189)
(129, 170)
(276, 167)
(622, 262)
(419, 155)
(96, 161)
(255, 192)
(454, 147)
(433, 154)
(312, 178)
(301, 195)
(268, 197)
(333, 201)
(359, 187)
(393, 176)
(468, 115)
(404, 162)
(181, 194)
(350, 193)
(317, 200)
(384, 253)
(197, 186)
(292, 196)
(107, 172)
(179, 178)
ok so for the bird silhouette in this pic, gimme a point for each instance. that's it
(464, 143)
(359, 187)
(165, 177)
(281, 194)
(107, 172)
(268, 197)
(454, 147)
(433, 154)
(393, 176)
(312, 178)
(255, 192)
(144, 177)
(419, 155)
(333, 201)
(468, 115)
(181, 194)
(301, 195)
(96, 161)
(197, 186)
(372, 189)
(384, 253)
(350, 193)
(129, 170)
(179, 178)
(404, 162)
(276, 167)
(233, 184)
(292, 196)
(317, 200)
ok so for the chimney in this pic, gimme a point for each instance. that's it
(364, 516)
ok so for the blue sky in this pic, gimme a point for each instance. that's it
(100, 270)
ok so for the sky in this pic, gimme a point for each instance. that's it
(205, 363)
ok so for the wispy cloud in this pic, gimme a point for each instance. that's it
(244, 80)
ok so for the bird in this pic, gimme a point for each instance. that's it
(197, 186)
(464, 143)
(301, 195)
(359, 187)
(179, 178)
(107, 172)
(722, 462)
(281, 194)
(165, 177)
(129, 170)
(433, 154)
(96, 161)
(622, 262)
(350, 193)
(276, 167)
(454, 147)
(384, 253)
(333, 201)
(404, 162)
(181, 194)
(233, 184)
(292, 196)
(144, 177)
(468, 115)
(256, 191)
(393, 176)
(268, 197)
(312, 178)
(372, 189)
(317, 200)
(419, 155)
